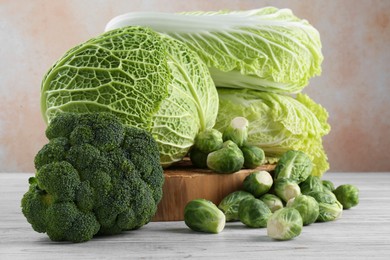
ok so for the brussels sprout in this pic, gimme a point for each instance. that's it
(208, 141)
(284, 224)
(347, 195)
(295, 165)
(272, 201)
(325, 196)
(253, 156)
(330, 212)
(328, 185)
(254, 213)
(258, 183)
(307, 206)
(329, 207)
(286, 189)
(198, 158)
(237, 131)
(228, 159)
(229, 204)
(312, 183)
(204, 216)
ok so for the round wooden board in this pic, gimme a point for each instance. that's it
(184, 183)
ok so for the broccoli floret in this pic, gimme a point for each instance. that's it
(34, 205)
(54, 151)
(108, 131)
(61, 126)
(59, 179)
(82, 134)
(95, 176)
(65, 221)
(83, 156)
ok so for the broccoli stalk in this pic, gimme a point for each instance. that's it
(95, 176)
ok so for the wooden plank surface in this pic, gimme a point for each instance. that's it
(362, 232)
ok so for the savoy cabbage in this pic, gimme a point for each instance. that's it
(148, 80)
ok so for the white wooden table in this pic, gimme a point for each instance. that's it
(362, 232)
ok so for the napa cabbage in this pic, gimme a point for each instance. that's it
(278, 123)
(148, 80)
(265, 49)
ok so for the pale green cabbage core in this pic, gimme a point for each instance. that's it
(278, 123)
(265, 49)
(148, 80)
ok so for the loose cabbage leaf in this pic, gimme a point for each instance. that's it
(278, 123)
(148, 80)
(265, 49)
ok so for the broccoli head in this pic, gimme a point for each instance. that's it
(94, 176)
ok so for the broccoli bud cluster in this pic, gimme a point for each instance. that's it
(95, 176)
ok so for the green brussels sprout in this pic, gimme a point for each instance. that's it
(329, 207)
(229, 204)
(198, 158)
(312, 183)
(307, 206)
(253, 156)
(258, 183)
(284, 224)
(325, 196)
(208, 141)
(204, 216)
(237, 131)
(328, 185)
(254, 213)
(286, 189)
(228, 159)
(295, 165)
(272, 201)
(347, 195)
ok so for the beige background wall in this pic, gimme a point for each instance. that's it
(354, 85)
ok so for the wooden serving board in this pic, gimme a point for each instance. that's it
(184, 183)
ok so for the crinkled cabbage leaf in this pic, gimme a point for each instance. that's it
(148, 80)
(278, 123)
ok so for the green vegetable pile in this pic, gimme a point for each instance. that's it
(94, 177)
(226, 152)
(222, 87)
(283, 201)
